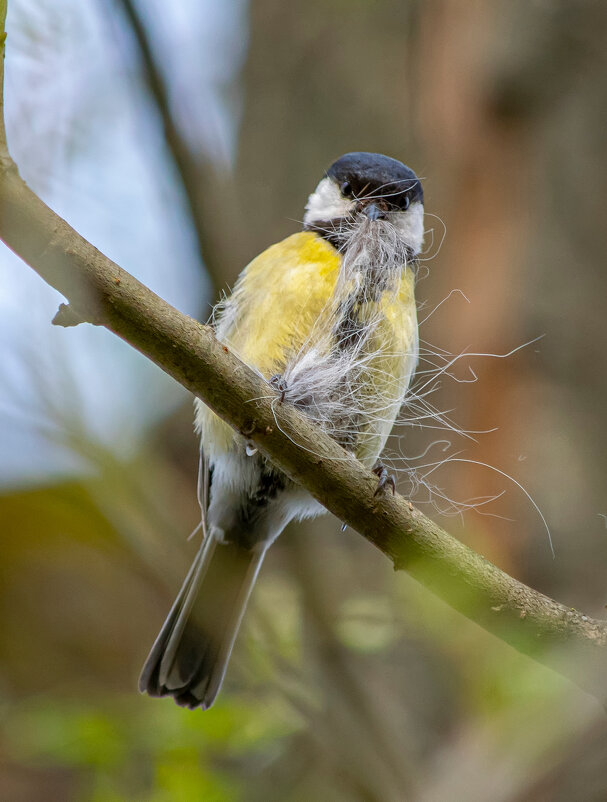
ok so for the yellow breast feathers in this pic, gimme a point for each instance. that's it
(292, 313)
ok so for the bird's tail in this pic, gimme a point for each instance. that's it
(189, 658)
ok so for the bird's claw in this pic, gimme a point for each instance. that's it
(279, 384)
(385, 479)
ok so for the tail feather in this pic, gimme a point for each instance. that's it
(190, 656)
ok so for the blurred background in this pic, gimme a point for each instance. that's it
(181, 139)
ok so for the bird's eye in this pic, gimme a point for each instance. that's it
(346, 189)
(406, 202)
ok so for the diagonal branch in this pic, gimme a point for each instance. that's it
(194, 173)
(102, 293)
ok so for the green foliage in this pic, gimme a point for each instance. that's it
(125, 746)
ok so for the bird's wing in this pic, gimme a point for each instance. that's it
(270, 314)
(277, 300)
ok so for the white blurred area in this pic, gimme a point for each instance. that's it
(87, 140)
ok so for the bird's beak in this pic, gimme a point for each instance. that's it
(374, 212)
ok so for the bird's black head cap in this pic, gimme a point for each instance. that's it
(366, 175)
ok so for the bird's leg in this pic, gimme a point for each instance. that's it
(385, 478)
(279, 384)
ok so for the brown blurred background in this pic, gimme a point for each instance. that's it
(182, 142)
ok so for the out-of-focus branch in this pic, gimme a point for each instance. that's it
(195, 175)
(100, 292)
(3, 147)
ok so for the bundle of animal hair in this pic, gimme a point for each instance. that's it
(352, 372)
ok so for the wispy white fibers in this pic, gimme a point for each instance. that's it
(342, 374)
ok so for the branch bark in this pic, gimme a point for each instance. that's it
(102, 293)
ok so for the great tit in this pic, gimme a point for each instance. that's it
(328, 317)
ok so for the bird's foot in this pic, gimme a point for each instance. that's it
(280, 385)
(385, 479)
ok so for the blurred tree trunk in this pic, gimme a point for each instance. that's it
(316, 85)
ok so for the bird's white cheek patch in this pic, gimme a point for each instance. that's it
(327, 203)
(410, 226)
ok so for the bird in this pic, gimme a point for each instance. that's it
(328, 317)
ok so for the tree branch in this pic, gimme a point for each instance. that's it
(102, 293)
(195, 174)
(3, 147)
